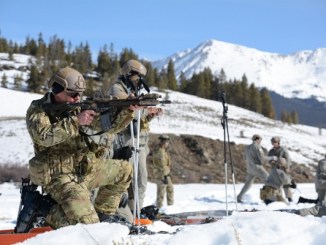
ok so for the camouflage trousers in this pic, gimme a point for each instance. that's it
(270, 194)
(72, 193)
(162, 190)
(317, 210)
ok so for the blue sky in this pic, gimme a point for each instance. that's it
(155, 29)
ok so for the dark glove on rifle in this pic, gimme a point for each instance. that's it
(165, 180)
(123, 153)
(124, 200)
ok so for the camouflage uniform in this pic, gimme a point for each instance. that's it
(282, 152)
(271, 191)
(120, 91)
(254, 156)
(320, 183)
(67, 166)
(162, 168)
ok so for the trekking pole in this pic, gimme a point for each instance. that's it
(224, 122)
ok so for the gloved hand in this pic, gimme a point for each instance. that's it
(165, 180)
(274, 158)
(123, 200)
(293, 185)
(123, 153)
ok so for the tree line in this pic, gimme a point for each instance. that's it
(49, 57)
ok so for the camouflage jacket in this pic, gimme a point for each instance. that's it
(281, 152)
(161, 162)
(277, 178)
(320, 181)
(120, 91)
(59, 145)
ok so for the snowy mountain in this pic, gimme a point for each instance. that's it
(301, 74)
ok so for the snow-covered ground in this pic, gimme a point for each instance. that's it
(186, 115)
(264, 227)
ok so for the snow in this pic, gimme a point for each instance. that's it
(298, 75)
(186, 115)
(263, 227)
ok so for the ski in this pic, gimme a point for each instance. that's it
(193, 218)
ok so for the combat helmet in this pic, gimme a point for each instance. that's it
(132, 68)
(67, 79)
(275, 139)
(256, 137)
(164, 137)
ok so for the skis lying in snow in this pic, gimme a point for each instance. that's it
(193, 218)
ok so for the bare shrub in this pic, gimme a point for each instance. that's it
(12, 172)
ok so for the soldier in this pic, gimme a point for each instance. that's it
(254, 156)
(127, 84)
(65, 164)
(276, 180)
(162, 169)
(282, 152)
(320, 183)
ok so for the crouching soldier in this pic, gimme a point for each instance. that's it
(276, 180)
(65, 165)
(320, 184)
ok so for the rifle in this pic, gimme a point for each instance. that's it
(105, 106)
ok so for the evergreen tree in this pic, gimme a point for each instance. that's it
(162, 80)
(18, 82)
(33, 82)
(284, 116)
(41, 47)
(172, 81)
(183, 82)
(294, 117)
(4, 81)
(245, 91)
(127, 54)
(267, 106)
(255, 103)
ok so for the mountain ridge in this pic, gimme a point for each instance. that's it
(283, 74)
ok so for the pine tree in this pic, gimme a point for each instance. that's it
(183, 82)
(255, 103)
(284, 116)
(4, 81)
(294, 117)
(172, 81)
(267, 106)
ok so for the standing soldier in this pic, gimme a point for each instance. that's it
(162, 169)
(65, 165)
(127, 84)
(282, 152)
(254, 156)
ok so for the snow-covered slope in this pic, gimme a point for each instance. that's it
(186, 115)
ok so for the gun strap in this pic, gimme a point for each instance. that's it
(87, 135)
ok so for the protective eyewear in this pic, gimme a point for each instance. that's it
(73, 94)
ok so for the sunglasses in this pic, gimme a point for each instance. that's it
(73, 94)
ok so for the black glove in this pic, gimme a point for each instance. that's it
(124, 200)
(150, 212)
(165, 180)
(293, 185)
(123, 153)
